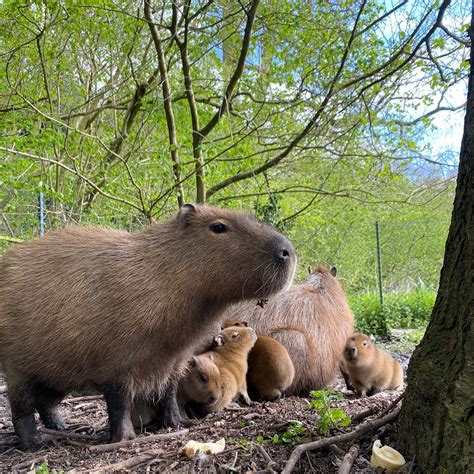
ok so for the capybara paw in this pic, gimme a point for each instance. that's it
(33, 443)
(123, 435)
(55, 423)
(172, 420)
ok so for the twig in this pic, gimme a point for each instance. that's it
(27, 464)
(392, 405)
(270, 462)
(348, 460)
(364, 414)
(131, 462)
(322, 443)
(67, 434)
(10, 239)
(102, 448)
(85, 398)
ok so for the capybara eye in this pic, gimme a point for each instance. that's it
(219, 228)
(203, 378)
(364, 343)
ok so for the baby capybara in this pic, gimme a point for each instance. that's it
(312, 320)
(201, 384)
(122, 312)
(230, 355)
(270, 370)
(370, 370)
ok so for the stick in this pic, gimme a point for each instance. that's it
(131, 462)
(348, 460)
(322, 443)
(67, 434)
(364, 414)
(392, 405)
(27, 464)
(82, 399)
(102, 448)
(270, 462)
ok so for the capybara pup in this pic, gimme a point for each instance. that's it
(312, 320)
(370, 370)
(123, 312)
(270, 369)
(200, 384)
(230, 354)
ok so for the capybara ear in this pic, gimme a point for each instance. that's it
(185, 214)
(235, 335)
(333, 271)
(192, 362)
(219, 341)
(372, 339)
(245, 323)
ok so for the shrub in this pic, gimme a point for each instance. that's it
(401, 310)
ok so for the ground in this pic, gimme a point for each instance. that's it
(253, 437)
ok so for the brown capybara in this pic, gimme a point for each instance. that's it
(312, 320)
(270, 369)
(230, 354)
(370, 370)
(123, 312)
(200, 384)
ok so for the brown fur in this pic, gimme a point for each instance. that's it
(270, 369)
(312, 321)
(86, 307)
(230, 356)
(201, 383)
(370, 369)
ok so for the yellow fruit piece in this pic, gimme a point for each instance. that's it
(386, 457)
(192, 447)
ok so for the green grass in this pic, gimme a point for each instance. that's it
(401, 310)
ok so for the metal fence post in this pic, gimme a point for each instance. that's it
(379, 260)
(41, 212)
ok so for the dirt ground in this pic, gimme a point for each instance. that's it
(249, 433)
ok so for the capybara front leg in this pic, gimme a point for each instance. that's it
(46, 401)
(168, 406)
(245, 397)
(118, 409)
(23, 411)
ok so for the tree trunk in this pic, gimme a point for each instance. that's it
(437, 417)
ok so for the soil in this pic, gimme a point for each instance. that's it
(253, 437)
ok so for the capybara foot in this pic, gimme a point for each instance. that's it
(123, 434)
(25, 428)
(172, 419)
(54, 421)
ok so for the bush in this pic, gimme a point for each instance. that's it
(401, 310)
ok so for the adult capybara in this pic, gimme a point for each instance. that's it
(123, 312)
(370, 370)
(312, 320)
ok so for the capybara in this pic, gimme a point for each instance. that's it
(312, 320)
(270, 370)
(123, 312)
(200, 384)
(371, 370)
(230, 354)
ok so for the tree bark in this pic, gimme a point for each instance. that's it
(437, 418)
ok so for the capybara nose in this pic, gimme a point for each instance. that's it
(284, 255)
(350, 351)
(212, 399)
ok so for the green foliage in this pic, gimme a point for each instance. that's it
(328, 417)
(290, 436)
(401, 310)
(42, 468)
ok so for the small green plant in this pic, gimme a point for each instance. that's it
(290, 436)
(42, 468)
(328, 417)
